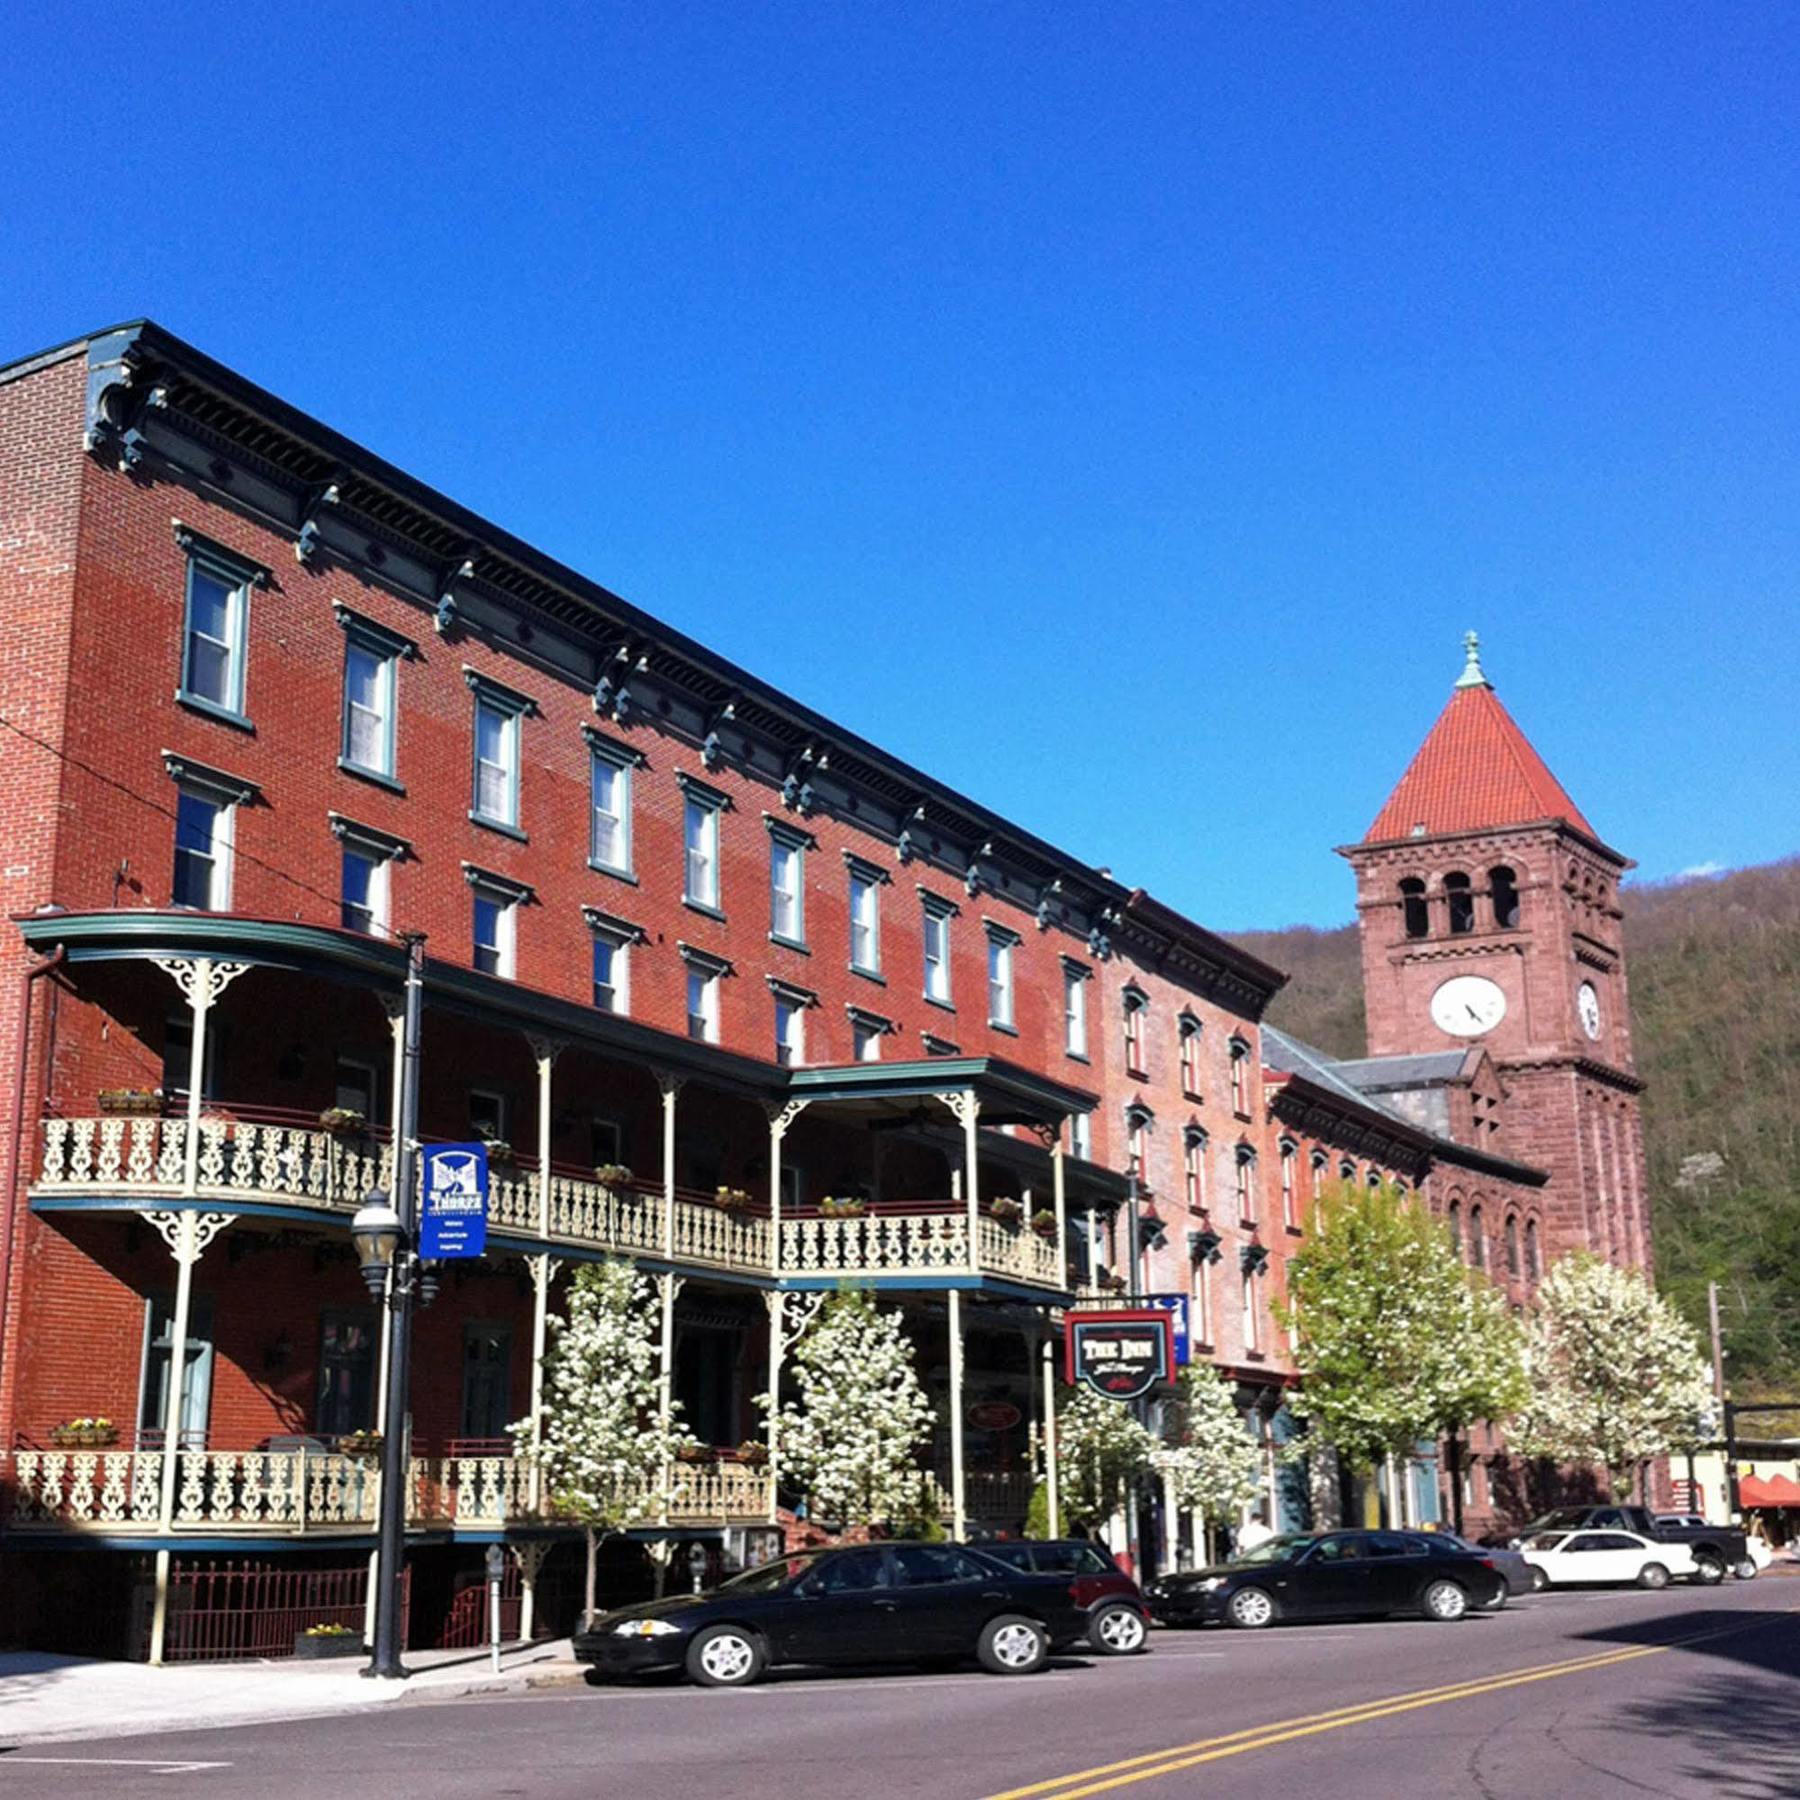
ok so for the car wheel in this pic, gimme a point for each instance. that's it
(1444, 1600)
(725, 1656)
(1653, 1575)
(1117, 1630)
(1745, 1570)
(1539, 1580)
(1497, 1604)
(1250, 1609)
(1708, 1571)
(1011, 1645)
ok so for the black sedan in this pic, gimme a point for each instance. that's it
(1331, 1575)
(876, 1603)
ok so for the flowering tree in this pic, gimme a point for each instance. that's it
(852, 1440)
(1617, 1376)
(1396, 1339)
(602, 1444)
(1210, 1458)
(1100, 1447)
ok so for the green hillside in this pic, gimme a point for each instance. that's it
(1715, 1002)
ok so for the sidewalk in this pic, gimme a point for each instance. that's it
(61, 1699)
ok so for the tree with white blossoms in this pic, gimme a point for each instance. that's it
(1209, 1457)
(1397, 1340)
(850, 1443)
(1617, 1376)
(1101, 1446)
(604, 1453)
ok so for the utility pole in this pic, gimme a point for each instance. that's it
(1134, 1292)
(402, 1292)
(1718, 1354)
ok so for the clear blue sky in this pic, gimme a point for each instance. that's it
(1120, 411)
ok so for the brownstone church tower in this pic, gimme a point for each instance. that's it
(1490, 921)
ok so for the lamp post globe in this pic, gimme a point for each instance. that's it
(376, 1230)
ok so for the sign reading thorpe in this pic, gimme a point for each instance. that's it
(453, 1221)
(1122, 1355)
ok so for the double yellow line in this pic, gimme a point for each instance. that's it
(1157, 1763)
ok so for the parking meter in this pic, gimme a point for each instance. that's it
(496, 1573)
(697, 1565)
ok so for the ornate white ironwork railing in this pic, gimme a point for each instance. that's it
(241, 1163)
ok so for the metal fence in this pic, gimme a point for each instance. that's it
(222, 1609)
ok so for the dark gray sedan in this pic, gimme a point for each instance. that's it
(1510, 1563)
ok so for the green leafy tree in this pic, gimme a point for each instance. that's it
(1617, 1375)
(851, 1442)
(1398, 1341)
(1100, 1447)
(603, 1456)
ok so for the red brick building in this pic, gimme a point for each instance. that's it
(699, 960)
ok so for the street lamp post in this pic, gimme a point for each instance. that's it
(384, 1235)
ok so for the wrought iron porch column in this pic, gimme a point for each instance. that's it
(965, 1105)
(1052, 1481)
(780, 1118)
(1059, 1201)
(671, 1086)
(543, 1267)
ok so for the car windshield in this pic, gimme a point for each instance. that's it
(1277, 1549)
(766, 1577)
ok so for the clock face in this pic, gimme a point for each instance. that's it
(1468, 1006)
(1587, 1006)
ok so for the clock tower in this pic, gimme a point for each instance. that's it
(1489, 914)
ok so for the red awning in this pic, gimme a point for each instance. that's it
(1773, 1490)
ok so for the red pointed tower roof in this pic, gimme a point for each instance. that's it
(1475, 770)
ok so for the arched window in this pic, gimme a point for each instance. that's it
(1246, 1184)
(1413, 912)
(1320, 1163)
(1193, 1167)
(1453, 1218)
(1373, 1178)
(1461, 899)
(1136, 1003)
(1533, 1264)
(1240, 1078)
(1137, 1125)
(1289, 1160)
(1477, 1241)
(1512, 1244)
(1346, 1170)
(1503, 886)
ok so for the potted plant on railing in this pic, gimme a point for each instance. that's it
(84, 1434)
(1006, 1209)
(613, 1175)
(1043, 1222)
(360, 1443)
(342, 1121)
(753, 1453)
(733, 1199)
(327, 1640)
(697, 1456)
(1111, 1284)
(843, 1206)
(499, 1152)
(131, 1100)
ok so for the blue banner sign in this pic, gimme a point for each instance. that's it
(1178, 1306)
(453, 1219)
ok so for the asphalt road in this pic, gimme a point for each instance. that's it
(1597, 1695)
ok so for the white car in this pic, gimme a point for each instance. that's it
(1591, 1558)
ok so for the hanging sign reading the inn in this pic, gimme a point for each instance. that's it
(1122, 1355)
(453, 1221)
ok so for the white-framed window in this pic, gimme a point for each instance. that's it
(867, 1029)
(368, 708)
(496, 799)
(488, 1115)
(1252, 1313)
(865, 920)
(1075, 1029)
(1193, 1169)
(700, 852)
(1081, 1136)
(1246, 1184)
(1137, 1142)
(937, 949)
(612, 969)
(364, 890)
(204, 821)
(1240, 1078)
(1000, 943)
(1188, 1036)
(787, 887)
(1319, 1162)
(609, 802)
(1203, 1300)
(215, 629)
(790, 1031)
(494, 928)
(1135, 1004)
(704, 973)
(1290, 1157)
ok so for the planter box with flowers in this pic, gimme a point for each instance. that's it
(1006, 1209)
(342, 1121)
(1044, 1223)
(360, 1443)
(318, 1641)
(733, 1199)
(697, 1456)
(613, 1175)
(843, 1206)
(131, 1100)
(84, 1434)
(1111, 1284)
(499, 1152)
(753, 1453)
